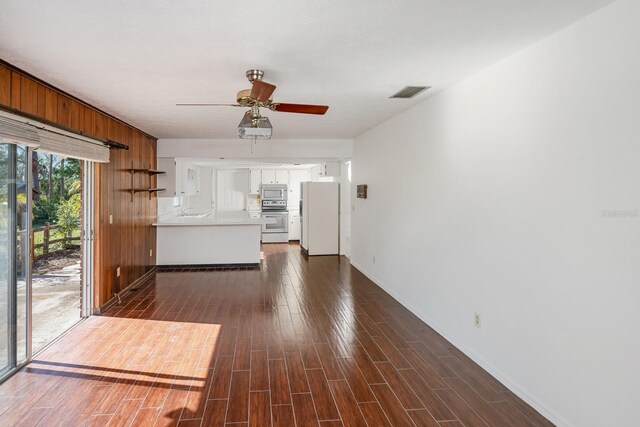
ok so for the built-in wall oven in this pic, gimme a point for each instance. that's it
(274, 209)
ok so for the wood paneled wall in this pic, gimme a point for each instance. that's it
(126, 242)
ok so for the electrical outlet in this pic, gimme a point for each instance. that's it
(150, 252)
(118, 272)
(374, 259)
(110, 219)
(476, 320)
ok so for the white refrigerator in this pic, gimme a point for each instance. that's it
(320, 217)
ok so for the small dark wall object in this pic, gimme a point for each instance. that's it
(362, 191)
(116, 145)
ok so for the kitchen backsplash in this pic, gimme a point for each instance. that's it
(253, 202)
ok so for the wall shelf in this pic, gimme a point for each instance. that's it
(147, 171)
(145, 190)
(150, 172)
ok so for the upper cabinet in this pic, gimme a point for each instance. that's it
(275, 176)
(328, 169)
(255, 179)
(268, 176)
(282, 176)
(332, 169)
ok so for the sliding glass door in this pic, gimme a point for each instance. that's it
(15, 199)
(7, 268)
(46, 240)
(46, 235)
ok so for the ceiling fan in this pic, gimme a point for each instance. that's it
(254, 125)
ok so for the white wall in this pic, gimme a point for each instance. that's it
(273, 149)
(345, 209)
(515, 194)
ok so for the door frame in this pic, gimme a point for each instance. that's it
(87, 235)
(13, 365)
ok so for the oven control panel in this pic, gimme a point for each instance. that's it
(274, 205)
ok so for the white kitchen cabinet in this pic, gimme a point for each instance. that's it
(282, 176)
(268, 176)
(167, 180)
(255, 179)
(332, 169)
(294, 224)
(329, 169)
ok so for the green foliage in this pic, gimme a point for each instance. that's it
(45, 210)
(68, 216)
(52, 172)
(75, 190)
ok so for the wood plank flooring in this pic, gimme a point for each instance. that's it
(298, 342)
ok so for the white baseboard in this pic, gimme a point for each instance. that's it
(516, 388)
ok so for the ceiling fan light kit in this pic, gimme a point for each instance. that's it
(253, 125)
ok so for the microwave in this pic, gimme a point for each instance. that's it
(273, 192)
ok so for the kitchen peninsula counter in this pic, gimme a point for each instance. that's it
(209, 239)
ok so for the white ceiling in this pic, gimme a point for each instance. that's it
(137, 59)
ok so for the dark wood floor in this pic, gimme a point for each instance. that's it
(298, 342)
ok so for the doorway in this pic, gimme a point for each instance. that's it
(56, 252)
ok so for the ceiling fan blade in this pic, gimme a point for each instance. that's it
(300, 108)
(262, 91)
(208, 105)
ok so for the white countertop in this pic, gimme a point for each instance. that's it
(212, 219)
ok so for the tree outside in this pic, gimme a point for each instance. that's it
(56, 210)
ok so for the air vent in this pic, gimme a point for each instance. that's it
(410, 91)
